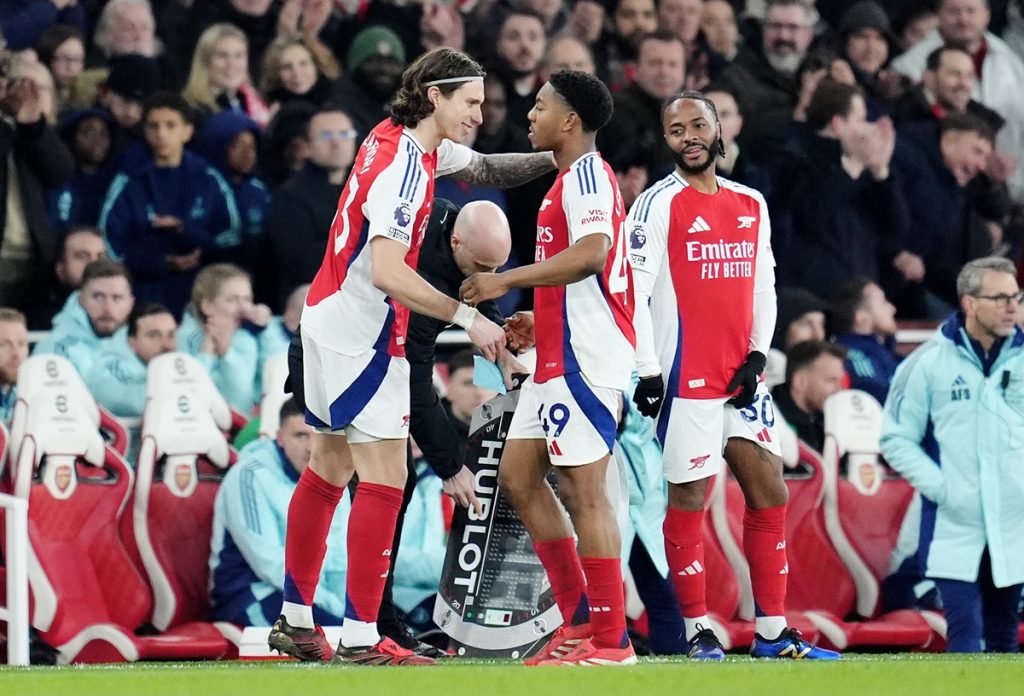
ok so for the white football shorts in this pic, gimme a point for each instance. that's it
(693, 433)
(577, 419)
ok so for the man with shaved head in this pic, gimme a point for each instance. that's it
(456, 244)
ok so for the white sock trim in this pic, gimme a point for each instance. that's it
(770, 627)
(694, 625)
(357, 634)
(297, 615)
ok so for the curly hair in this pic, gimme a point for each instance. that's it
(410, 105)
(586, 95)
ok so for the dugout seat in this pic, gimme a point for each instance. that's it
(822, 586)
(88, 597)
(182, 459)
(61, 370)
(275, 372)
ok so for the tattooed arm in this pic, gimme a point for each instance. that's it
(505, 170)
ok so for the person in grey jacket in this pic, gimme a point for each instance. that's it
(954, 428)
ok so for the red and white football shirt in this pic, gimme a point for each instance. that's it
(586, 326)
(389, 193)
(702, 258)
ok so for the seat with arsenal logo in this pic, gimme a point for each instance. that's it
(182, 458)
(88, 597)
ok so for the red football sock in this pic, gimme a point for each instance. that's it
(568, 585)
(371, 528)
(764, 544)
(309, 520)
(607, 601)
(684, 533)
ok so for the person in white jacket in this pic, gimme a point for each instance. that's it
(954, 428)
(1001, 72)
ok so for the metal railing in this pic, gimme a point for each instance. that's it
(16, 612)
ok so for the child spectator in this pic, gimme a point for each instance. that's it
(174, 214)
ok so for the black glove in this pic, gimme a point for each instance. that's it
(745, 380)
(649, 394)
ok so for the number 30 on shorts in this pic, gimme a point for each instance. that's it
(557, 415)
(762, 407)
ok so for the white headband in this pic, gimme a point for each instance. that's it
(453, 80)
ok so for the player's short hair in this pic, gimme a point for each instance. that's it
(805, 353)
(968, 281)
(586, 95)
(168, 100)
(695, 95)
(934, 59)
(12, 316)
(105, 268)
(209, 282)
(460, 360)
(847, 299)
(968, 123)
(410, 105)
(831, 99)
(142, 310)
(290, 407)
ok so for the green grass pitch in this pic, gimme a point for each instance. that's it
(863, 675)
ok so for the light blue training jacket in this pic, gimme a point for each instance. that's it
(73, 337)
(236, 374)
(250, 515)
(957, 435)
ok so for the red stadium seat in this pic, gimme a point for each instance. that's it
(182, 460)
(820, 583)
(5, 478)
(88, 597)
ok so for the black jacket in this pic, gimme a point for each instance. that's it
(809, 427)
(295, 233)
(765, 96)
(838, 227)
(42, 161)
(429, 424)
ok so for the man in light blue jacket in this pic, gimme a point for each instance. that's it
(93, 318)
(118, 378)
(954, 428)
(249, 520)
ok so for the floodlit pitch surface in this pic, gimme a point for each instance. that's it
(862, 675)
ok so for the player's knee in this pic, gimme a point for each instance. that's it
(687, 496)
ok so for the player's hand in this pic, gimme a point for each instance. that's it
(649, 395)
(745, 380)
(509, 367)
(462, 489)
(519, 331)
(481, 287)
(487, 336)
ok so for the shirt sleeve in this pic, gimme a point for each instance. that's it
(765, 302)
(588, 197)
(647, 227)
(395, 197)
(452, 157)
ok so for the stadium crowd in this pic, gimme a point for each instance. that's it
(171, 170)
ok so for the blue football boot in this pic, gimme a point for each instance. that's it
(789, 645)
(705, 646)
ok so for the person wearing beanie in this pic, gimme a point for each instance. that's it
(866, 41)
(373, 71)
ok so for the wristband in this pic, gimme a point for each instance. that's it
(464, 316)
